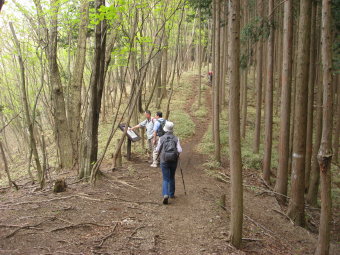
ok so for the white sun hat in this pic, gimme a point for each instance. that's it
(169, 126)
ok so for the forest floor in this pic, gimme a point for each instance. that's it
(123, 214)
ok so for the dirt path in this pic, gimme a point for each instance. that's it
(123, 214)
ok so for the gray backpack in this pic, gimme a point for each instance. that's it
(170, 149)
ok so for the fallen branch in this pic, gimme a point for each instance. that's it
(129, 201)
(9, 226)
(133, 233)
(84, 224)
(28, 227)
(101, 242)
(267, 231)
(254, 222)
(55, 199)
(252, 239)
(284, 215)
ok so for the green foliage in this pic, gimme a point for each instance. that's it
(185, 127)
(203, 5)
(257, 29)
(212, 164)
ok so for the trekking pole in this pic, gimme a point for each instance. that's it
(180, 167)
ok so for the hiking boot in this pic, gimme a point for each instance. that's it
(165, 200)
(153, 165)
(172, 197)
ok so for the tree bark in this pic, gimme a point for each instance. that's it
(28, 119)
(296, 204)
(311, 80)
(325, 152)
(216, 83)
(234, 125)
(77, 80)
(4, 159)
(313, 188)
(61, 129)
(269, 99)
(199, 58)
(259, 63)
(282, 173)
(90, 141)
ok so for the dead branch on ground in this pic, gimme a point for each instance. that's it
(103, 239)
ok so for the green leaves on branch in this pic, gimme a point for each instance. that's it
(109, 13)
(255, 30)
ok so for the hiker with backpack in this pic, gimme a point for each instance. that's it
(169, 149)
(158, 131)
(148, 125)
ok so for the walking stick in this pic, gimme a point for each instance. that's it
(180, 167)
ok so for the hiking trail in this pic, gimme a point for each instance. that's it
(123, 214)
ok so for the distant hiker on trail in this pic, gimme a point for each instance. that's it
(148, 124)
(210, 76)
(169, 149)
(158, 131)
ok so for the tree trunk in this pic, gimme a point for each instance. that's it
(61, 128)
(244, 103)
(282, 173)
(259, 63)
(311, 80)
(313, 188)
(2, 152)
(77, 80)
(216, 83)
(28, 119)
(269, 99)
(296, 204)
(90, 140)
(199, 58)
(164, 67)
(325, 152)
(234, 125)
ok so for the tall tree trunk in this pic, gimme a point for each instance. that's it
(259, 63)
(1, 3)
(313, 188)
(216, 83)
(4, 159)
(89, 148)
(61, 127)
(282, 173)
(199, 58)
(296, 206)
(28, 119)
(325, 153)
(213, 54)
(337, 127)
(165, 66)
(244, 103)
(77, 80)
(234, 125)
(311, 80)
(269, 99)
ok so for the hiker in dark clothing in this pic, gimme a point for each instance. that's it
(210, 75)
(169, 149)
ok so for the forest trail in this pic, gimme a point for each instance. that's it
(123, 214)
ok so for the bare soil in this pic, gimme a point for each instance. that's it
(123, 214)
